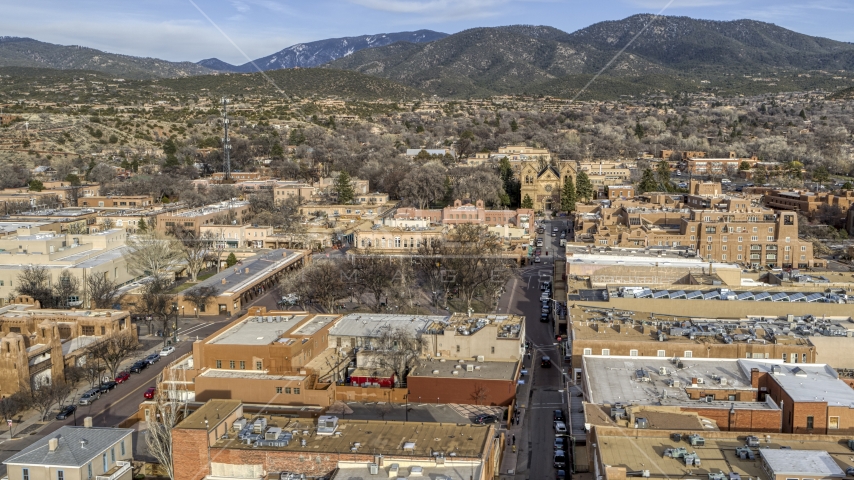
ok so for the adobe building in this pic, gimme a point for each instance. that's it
(219, 440)
(466, 213)
(37, 345)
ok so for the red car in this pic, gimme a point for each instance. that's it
(122, 376)
(150, 392)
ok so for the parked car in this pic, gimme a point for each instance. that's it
(544, 317)
(560, 475)
(167, 351)
(107, 386)
(153, 358)
(545, 362)
(560, 443)
(484, 418)
(122, 377)
(560, 427)
(536, 259)
(66, 412)
(89, 396)
(138, 366)
(849, 472)
(149, 394)
(557, 416)
(560, 459)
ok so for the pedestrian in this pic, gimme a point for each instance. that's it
(514, 439)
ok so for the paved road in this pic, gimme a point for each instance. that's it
(547, 387)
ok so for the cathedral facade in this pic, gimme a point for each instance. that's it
(544, 184)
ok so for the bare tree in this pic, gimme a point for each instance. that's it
(157, 301)
(428, 264)
(479, 394)
(113, 350)
(195, 249)
(62, 390)
(74, 374)
(375, 273)
(103, 292)
(152, 254)
(67, 286)
(320, 281)
(93, 368)
(200, 296)
(43, 395)
(170, 408)
(398, 349)
(473, 255)
(12, 405)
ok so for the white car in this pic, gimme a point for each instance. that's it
(560, 427)
(167, 351)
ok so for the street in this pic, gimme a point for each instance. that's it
(547, 387)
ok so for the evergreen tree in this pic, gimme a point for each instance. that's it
(344, 188)
(231, 260)
(662, 171)
(567, 196)
(142, 227)
(527, 202)
(803, 114)
(583, 187)
(513, 125)
(639, 131)
(648, 183)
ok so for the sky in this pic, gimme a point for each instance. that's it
(238, 30)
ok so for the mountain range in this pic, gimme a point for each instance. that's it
(637, 55)
(26, 52)
(483, 61)
(314, 54)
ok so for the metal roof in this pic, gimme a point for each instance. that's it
(77, 447)
(801, 462)
(780, 297)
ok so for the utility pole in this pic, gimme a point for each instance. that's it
(226, 144)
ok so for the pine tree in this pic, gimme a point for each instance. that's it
(639, 131)
(648, 183)
(344, 189)
(567, 196)
(231, 260)
(583, 187)
(527, 202)
(142, 227)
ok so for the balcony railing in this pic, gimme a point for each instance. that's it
(120, 469)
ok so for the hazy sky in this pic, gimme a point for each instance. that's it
(197, 29)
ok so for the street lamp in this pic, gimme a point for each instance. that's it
(195, 314)
(406, 408)
(182, 311)
(208, 443)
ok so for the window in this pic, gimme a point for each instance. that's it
(242, 365)
(296, 391)
(833, 423)
(588, 351)
(87, 330)
(606, 352)
(26, 473)
(60, 475)
(688, 354)
(633, 353)
(492, 349)
(785, 357)
(723, 248)
(104, 461)
(804, 358)
(90, 470)
(724, 238)
(288, 390)
(661, 353)
(803, 249)
(810, 422)
(723, 257)
(708, 239)
(739, 257)
(278, 389)
(458, 349)
(219, 364)
(113, 454)
(231, 364)
(754, 238)
(258, 366)
(769, 238)
(740, 238)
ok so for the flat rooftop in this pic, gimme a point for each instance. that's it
(258, 330)
(372, 325)
(458, 440)
(611, 380)
(669, 258)
(210, 409)
(802, 462)
(509, 326)
(646, 452)
(449, 471)
(251, 374)
(314, 325)
(459, 369)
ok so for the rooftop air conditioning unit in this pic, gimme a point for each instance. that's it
(469, 368)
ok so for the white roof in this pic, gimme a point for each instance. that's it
(801, 462)
(371, 325)
(808, 382)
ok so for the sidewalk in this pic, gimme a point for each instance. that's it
(514, 466)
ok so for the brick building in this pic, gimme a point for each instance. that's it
(683, 338)
(211, 441)
(467, 382)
